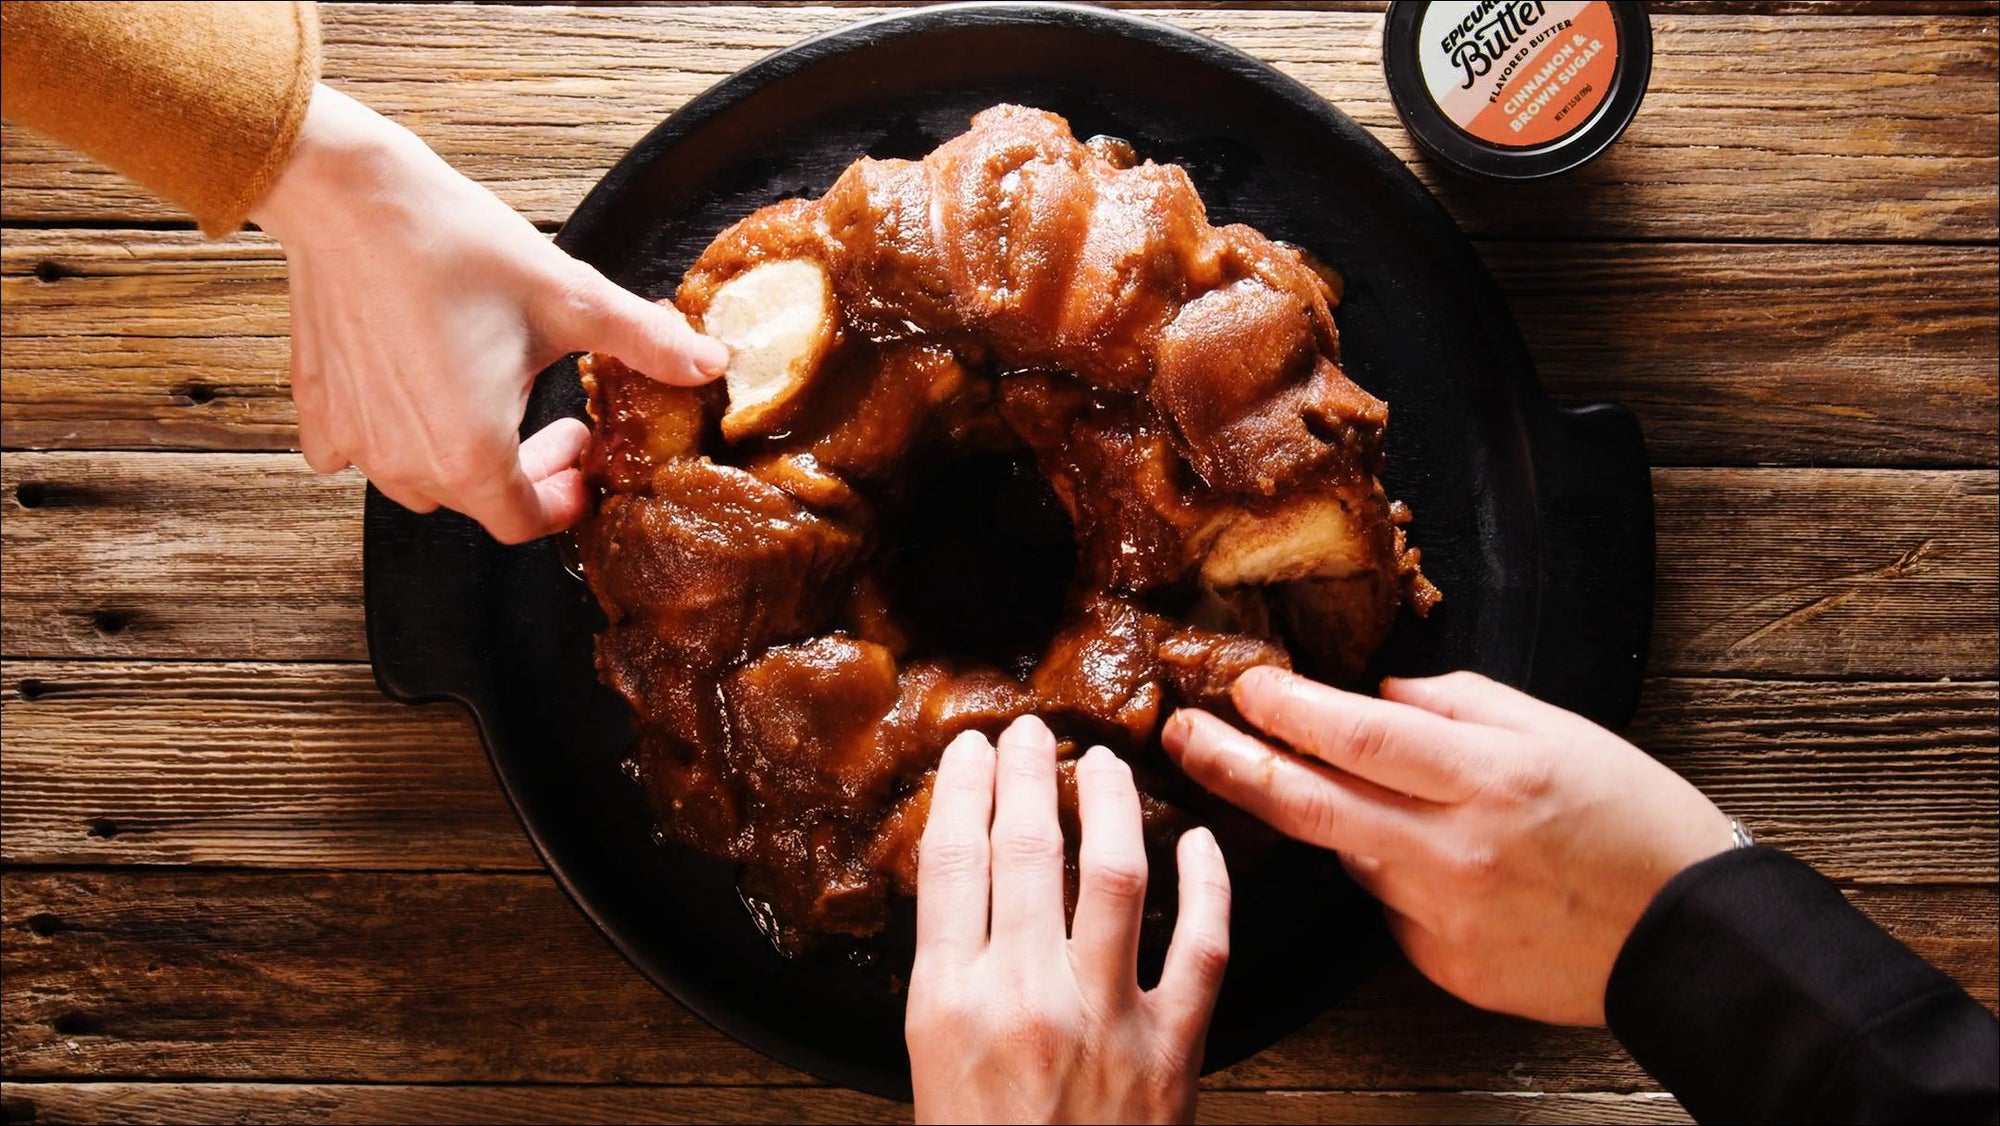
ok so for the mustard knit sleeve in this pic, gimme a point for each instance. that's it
(197, 102)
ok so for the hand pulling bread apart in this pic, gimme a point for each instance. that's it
(778, 319)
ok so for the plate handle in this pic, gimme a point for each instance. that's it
(423, 576)
(1594, 494)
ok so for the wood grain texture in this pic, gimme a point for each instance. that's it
(182, 698)
(297, 766)
(1779, 572)
(232, 556)
(242, 765)
(1778, 355)
(370, 977)
(1758, 572)
(536, 102)
(1734, 7)
(1817, 353)
(1905, 775)
(396, 1103)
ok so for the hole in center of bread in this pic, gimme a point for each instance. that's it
(983, 557)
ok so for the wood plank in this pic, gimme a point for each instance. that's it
(500, 92)
(397, 1103)
(1773, 572)
(144, 340)
(1815, 353)
(1866, 781)
(180, 555)
(1752, 354)
(370, 977)
(309, 766)
(242, 765)
(1826, 573)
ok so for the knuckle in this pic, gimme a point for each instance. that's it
(457, 470)
(1035, 1035)
(1456, 933)
(391, 479)
(1032, 769)
(1119, 877)
(1475, 862)
(922, 1026)
(1208, 955)
(1306, 814)
(1029, 844)
(934, 1013)
(472, 464)
(562, 304)
(1363, 739)
(1463, 680)
(959, 782)
(395, 474)
(1456, 968)
(574, 285)
(1213, 886)
(950, 857)
(1525, 780)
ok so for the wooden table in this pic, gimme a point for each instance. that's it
(240, 884)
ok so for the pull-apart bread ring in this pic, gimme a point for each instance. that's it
(797, 564)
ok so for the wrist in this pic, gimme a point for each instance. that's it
(342, 148)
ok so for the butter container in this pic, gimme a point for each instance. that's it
(1517, 89)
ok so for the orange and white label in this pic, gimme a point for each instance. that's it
(1519, 73)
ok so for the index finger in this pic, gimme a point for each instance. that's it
(1297, 797)
(537, 493)
(1393, 745)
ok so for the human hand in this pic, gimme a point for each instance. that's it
(423, 307)
(1017, 1021)
(1514, 845)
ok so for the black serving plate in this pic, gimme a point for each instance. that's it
(1535, 520)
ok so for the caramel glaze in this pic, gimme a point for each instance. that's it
(1019, 295)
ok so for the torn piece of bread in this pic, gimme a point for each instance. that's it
(778, 319)
(1324, 535)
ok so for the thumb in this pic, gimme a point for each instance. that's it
(654, 339)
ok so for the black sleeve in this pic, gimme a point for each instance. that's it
(1754, 991)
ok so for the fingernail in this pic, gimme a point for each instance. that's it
(1200, 837)
(1273, 690)
(1030, 725)
(1181, 729)
(1255, 679)
(967, 742)
(710, 355)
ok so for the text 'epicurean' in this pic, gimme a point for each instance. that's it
(1478, 41)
